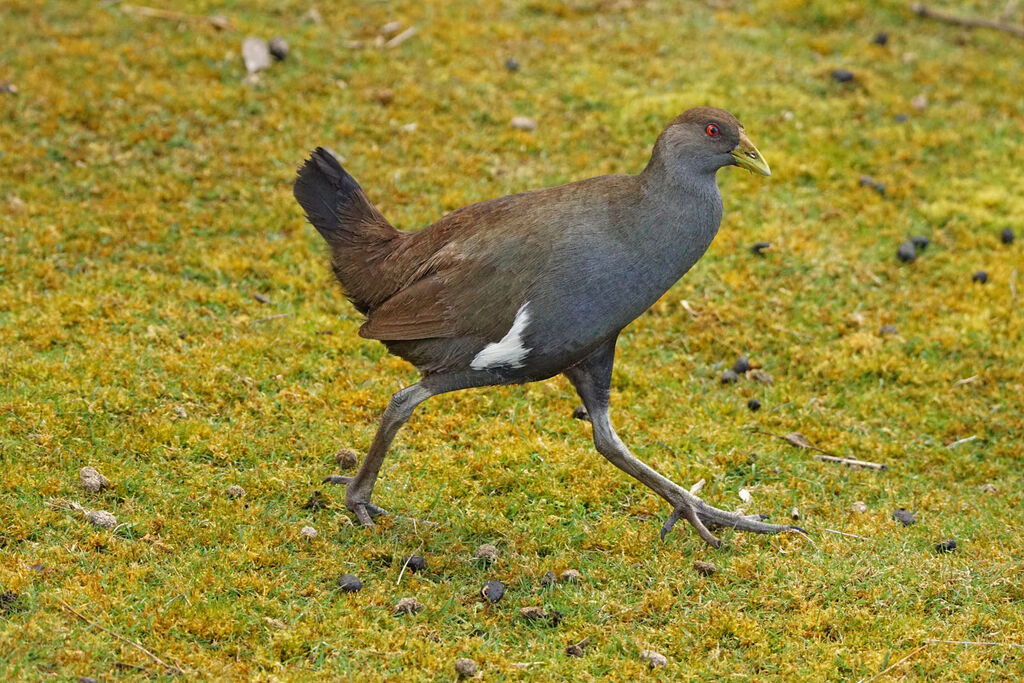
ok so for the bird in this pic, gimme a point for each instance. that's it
(528, 286)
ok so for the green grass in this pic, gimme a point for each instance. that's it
(145, 196)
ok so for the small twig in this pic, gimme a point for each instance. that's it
(792, 332)
(965, 380)
(800, 441)
(843, 533)
(925, 11)
(850, 462)
(272, 317)
(406, 564)
(525, 665)
(973, 642)
(695, 489)
(171, 667)
(401, 37)
(966, 439)
(892, 666)
(216, 21)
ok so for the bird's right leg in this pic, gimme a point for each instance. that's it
(400, 408)
(360, 487)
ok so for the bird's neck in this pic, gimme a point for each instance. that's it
(679, 216)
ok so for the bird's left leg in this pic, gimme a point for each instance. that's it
(592, 379)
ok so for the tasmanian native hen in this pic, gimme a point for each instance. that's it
(525, 287)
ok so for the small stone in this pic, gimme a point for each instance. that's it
(533, 613)
(102, 518)
(880, 188)
(275, 623)
(989, 488)
(887, 330)
(754, 405)
(881, 38)
(234, 491)
(384, 96)
(842, 75)
(493, 591)
(8, 601)
(947, 546)
(906, 252)
(981, 277)
(729, 377)
(92, 481)
(655, 660)
(278, 48)
(350, 583)
(466, 668)
(794, 514)
(920, 102)
(571, 576)
(86, 679)
(866, 181)
(408, 606)
(759, 248)
(8, 88)
(255, 54)
(576, 650)
(904, 517)
(523, 123)
(704, 568)
(512, 64)
(308, 532)
(900, 118)
(415, 563)
(762, 377)
(920, 242)
(549, 579)
(312, 16)
(859, 507)
(1006, 235)
(346, 458)
(316, 502)
(580, 413)
(741, 365)
(219, 22)
(487, 553)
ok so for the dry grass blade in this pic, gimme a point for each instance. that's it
(850, 462)
(893, 665)
(974, 22)
(174, 668)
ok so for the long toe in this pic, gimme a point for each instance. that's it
(702, 516)
(336, 479)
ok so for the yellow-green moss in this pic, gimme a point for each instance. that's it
(145, 196)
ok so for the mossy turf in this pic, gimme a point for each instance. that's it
(145, 199)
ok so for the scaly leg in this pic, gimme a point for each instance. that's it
(400, 408)
(592, 379)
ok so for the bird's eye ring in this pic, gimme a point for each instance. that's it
(712, 130)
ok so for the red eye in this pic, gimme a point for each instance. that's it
(712, 130)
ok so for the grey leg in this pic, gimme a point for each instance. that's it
(400, 408)
(592, 379)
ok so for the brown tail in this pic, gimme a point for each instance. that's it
(359, 236)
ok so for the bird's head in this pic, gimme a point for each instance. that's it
(704, 139)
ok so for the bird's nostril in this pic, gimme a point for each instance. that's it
(751, 155)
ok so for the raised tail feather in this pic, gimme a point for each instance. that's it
(361, 239)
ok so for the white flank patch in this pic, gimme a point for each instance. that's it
(510, 350)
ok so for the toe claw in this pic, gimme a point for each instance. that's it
(336, 479)
(676, 515)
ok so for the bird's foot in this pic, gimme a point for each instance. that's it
(358, 504)
(701, 516)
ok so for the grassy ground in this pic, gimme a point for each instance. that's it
(145, 198)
